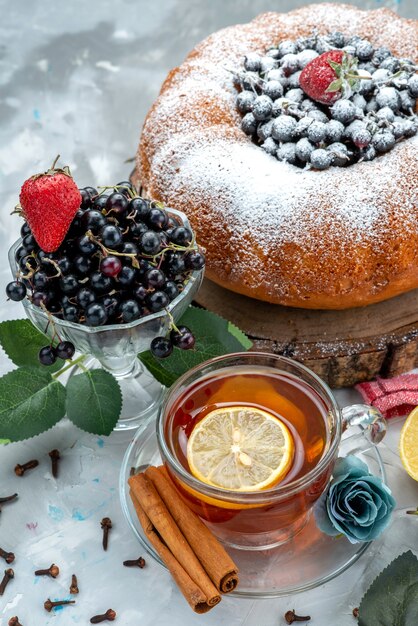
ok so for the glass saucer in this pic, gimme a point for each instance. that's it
(310, 559)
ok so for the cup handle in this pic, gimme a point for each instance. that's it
(368, 417)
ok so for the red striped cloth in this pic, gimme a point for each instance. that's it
(392, 396)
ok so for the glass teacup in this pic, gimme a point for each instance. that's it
(282, 388)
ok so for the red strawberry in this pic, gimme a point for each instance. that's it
(330, 76)
(49, 203)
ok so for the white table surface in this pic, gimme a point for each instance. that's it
(77, 78)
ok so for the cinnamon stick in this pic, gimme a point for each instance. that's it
(216, 561)
(169, 535)
(193, 594)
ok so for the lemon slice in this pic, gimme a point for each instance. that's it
(408, 444)
(240, 448)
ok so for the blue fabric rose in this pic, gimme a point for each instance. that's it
(357, 504)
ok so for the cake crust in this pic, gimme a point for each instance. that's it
(331, 239)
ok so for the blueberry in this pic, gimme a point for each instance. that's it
(273, 53)
(29, 243)
(321, 159)
(245, 101)
(25, 230)
(249, 124)
(266, 64)
(304, 149)
(366, 87)
(383, 141)
(391, 64)
(82, 264)
(287, 152)
(85, 245)
(359, 101)
(40, 280)
(182, 338)
(252, 62)
(410, 128)
(388, 97)
(155, 278)
(361, 137)
(337, 39)
(96, 314)
(317, 132)
(279, 75)
(294, 81)
(343, 111)
(407, 101)
(317, 114)
(386, 114)
(380, 54)
(289, 64)
(369, 153)
(301, 128)
(262, 107)
(322, 45)
(100, 202)
(372, 105)
(364, 50)
(380, 76)
(283, 128)
(273, 89)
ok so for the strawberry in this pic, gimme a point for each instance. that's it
(49, 203)
(331, 76)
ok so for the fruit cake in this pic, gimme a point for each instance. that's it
(290, 142)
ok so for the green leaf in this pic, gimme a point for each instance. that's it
(31, 401)
(214, 335)
(392, 599)
(21, 341)
(335, 85)
(336, 67)
(94, 401)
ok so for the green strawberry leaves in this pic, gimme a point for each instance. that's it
(21, 341)
(214, 335)
(94, 401)
(392, 599)
(31, 401)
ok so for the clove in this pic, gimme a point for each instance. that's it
(290, 617)
(14, 621)
(140, 562)
(55, 457)
(9, 557)
(21, 469)
(106, 524)
(52, 571)
(48, 605)
(8, 575)
(109, 616)
(74, 585)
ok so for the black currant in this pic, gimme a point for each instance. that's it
(155, 278)
(171, 289)
(157, 301)
(174, 263)
(16, 291)
(140, 292)
(111, 304)
(181, 236)
(183, 338)
(85, 296)
(65, 350)
(39, 297)
(29, 242)
(110, 266)
(129, 248)
(140, 207)
(126, 276)
(125, 187)
(194, 260)
(71, 313)
(25, 230)
(150, 242)
(95, 314)
(85, 245)
(39, 280)
(93, 220)
(86, 198)
(116, 202)
(100, 202)
(64, 264)
(69, 284)
(161, 347)
(47, 355)
(100, 283)
(111, 236)
(129, 310)
(157, 219)
(20, 253)
(136, 229)
(82, 264)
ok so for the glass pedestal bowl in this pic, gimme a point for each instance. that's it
(115, 347)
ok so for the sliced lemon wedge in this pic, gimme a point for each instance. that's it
(240, 448)
(408, 444)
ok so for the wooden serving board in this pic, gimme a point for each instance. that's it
(342, 347)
